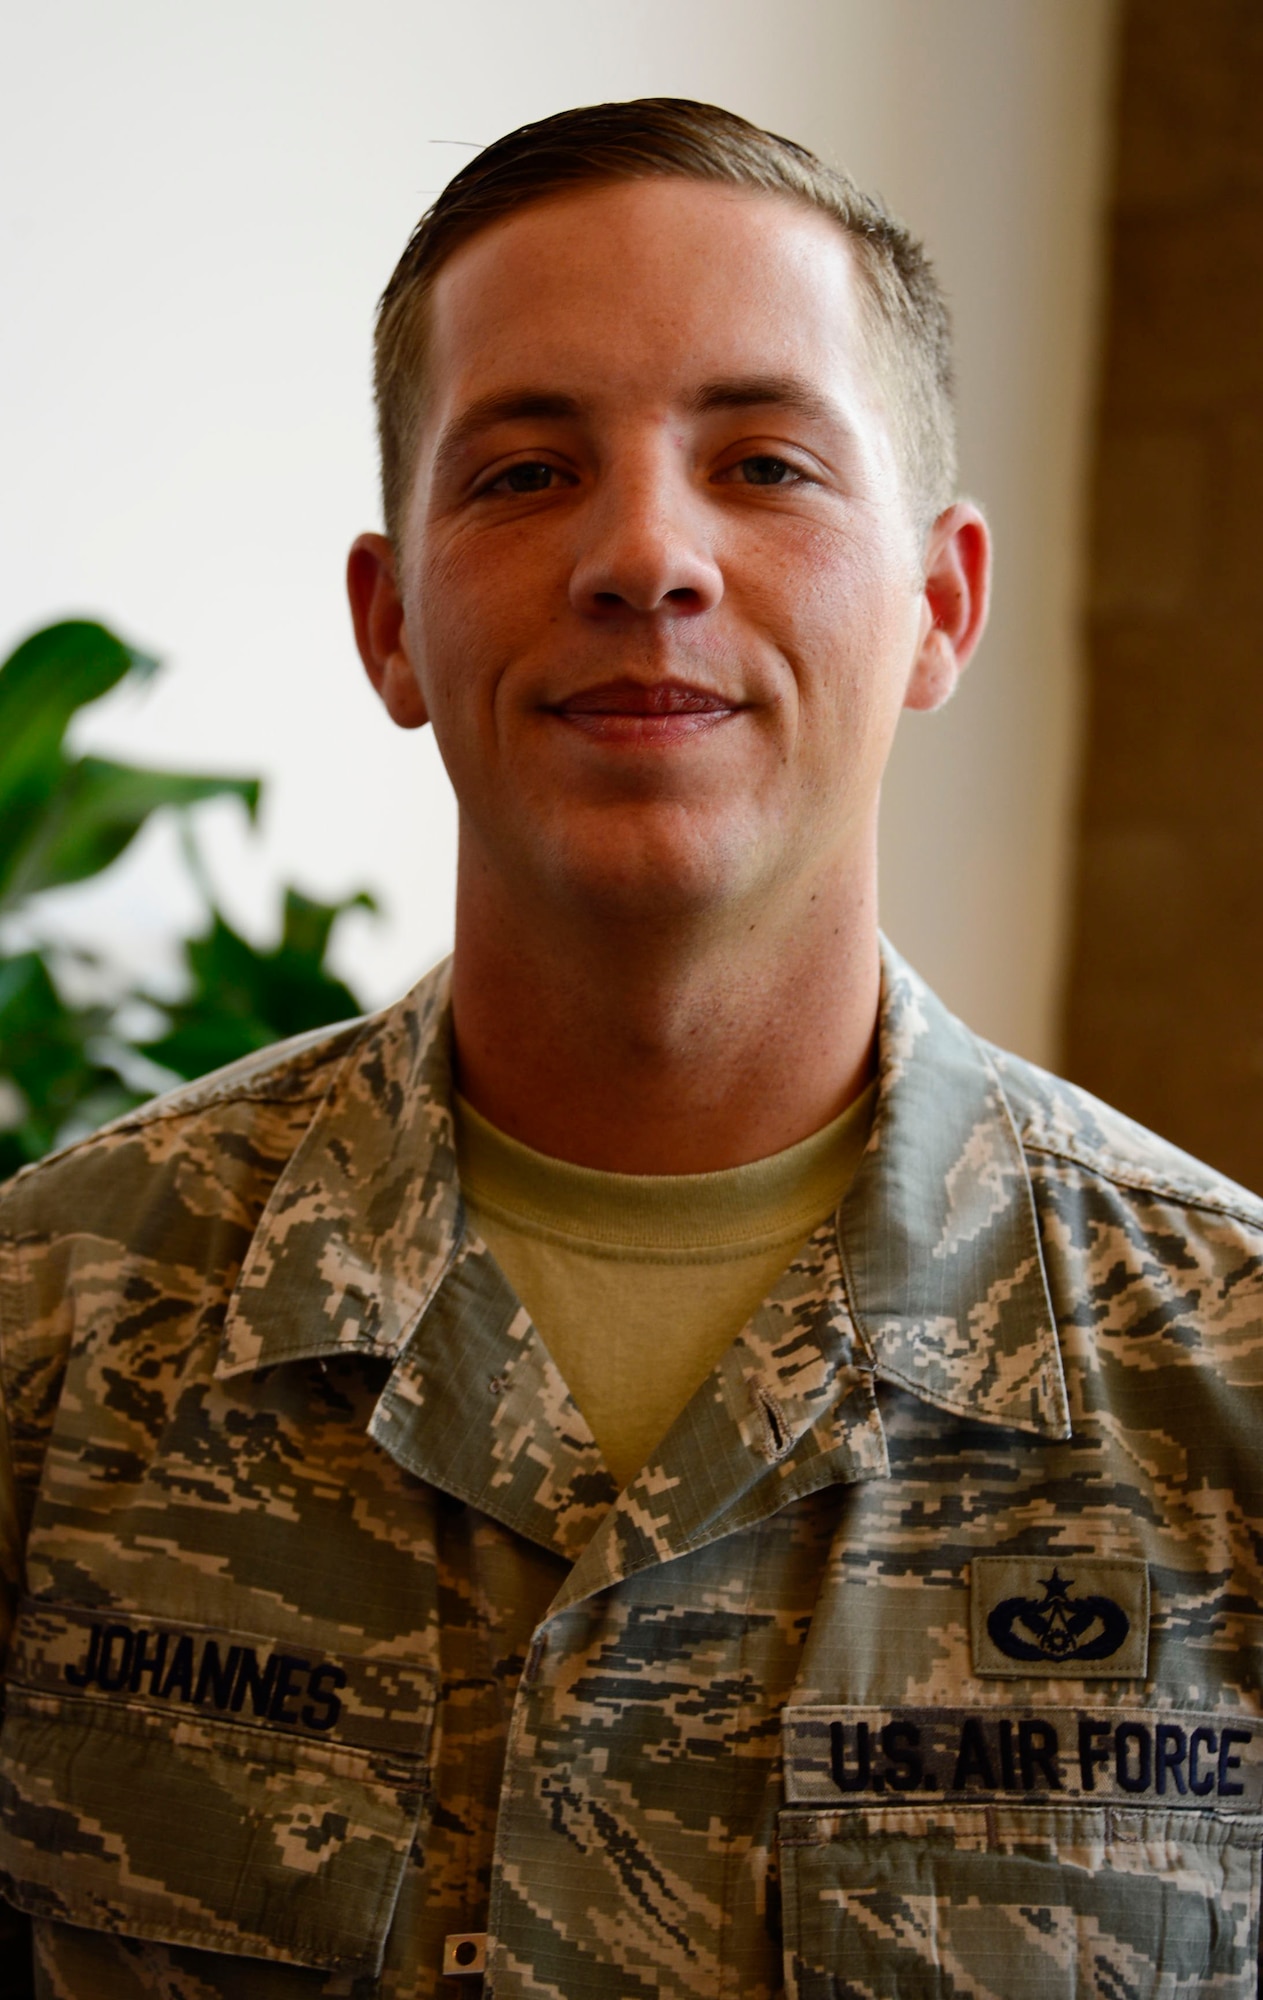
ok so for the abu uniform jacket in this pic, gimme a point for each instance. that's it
(922, 1657)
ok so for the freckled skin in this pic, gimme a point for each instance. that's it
(802, 601)
(686, 499)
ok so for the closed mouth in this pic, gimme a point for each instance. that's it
(628, 697)
(636, 711)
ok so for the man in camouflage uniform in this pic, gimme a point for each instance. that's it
(921, 1656)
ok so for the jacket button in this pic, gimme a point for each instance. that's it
(464, 1954)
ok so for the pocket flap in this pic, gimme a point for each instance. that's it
(1050, 1902)
(161, 1819)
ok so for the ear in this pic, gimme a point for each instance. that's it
(380, 632)
(954, 608)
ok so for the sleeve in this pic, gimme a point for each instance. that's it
(36, 1318)
(12, 1537)
(17, 1972)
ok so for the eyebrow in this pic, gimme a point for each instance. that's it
(504, 407)
(744, 392)
(737, 392)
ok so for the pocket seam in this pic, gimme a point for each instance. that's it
(200, 1740)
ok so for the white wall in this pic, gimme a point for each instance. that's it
(200, 205)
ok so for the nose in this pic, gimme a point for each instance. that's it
(646, 545)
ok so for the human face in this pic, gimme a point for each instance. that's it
(661, 593)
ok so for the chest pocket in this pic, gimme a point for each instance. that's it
(980, 1853)
(205, 1789)
(1052, 1902)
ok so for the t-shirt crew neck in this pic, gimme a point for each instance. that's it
(637, 1283)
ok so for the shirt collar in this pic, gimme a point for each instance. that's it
(366, 1216)
(939, 1234)
(938, 1237)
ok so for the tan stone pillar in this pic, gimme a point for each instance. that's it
(1164, 1011)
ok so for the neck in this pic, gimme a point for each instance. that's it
(645, 1049)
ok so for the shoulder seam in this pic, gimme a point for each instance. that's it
(160, 1113)
(190, 1100)
(188, 1106)
(12, 1281)
(1138, 1181)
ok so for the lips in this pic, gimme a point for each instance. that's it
(637, 715)
(637, 698)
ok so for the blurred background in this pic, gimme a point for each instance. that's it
(199, 209)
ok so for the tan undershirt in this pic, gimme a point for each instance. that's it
(638, 1282)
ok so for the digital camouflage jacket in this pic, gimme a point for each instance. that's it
(922, 1658)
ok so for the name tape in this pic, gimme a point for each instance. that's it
(372, 1703)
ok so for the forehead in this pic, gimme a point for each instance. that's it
(624, 289)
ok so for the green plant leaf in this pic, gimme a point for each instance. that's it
(306, 924)
(97, 810)
(65, 818)
(47, 1048)
(241, 998)
(51, 675)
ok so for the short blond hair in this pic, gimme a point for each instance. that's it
(673, 137)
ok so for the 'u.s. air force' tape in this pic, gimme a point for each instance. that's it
(1107, 1756)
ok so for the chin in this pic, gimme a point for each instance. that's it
(657, 876)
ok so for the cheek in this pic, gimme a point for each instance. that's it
(855, 628)
(854, 579)
(452, 595)
(854, 633)
(454, 624)
(482, 598)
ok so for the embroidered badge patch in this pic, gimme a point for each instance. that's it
(1078, 1620)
